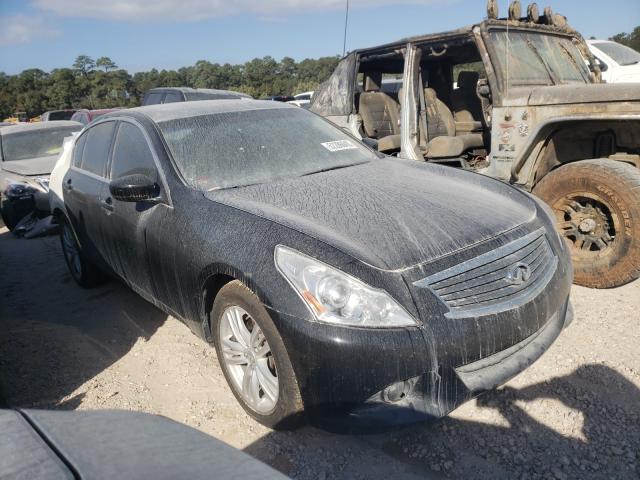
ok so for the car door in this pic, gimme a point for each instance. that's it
(83, 183)
(125, 223)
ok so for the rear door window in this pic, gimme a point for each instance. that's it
(131, 153)
(153, 98)
(97, 147)
(77, 151)
(173, 97)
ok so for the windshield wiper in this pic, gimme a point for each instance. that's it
(544, 64)
(635, 62)
(330, 168)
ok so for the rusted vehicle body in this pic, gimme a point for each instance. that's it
(518, 99)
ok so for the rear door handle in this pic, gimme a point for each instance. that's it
(67, 186)
(107, 204)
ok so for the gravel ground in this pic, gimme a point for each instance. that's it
(573, 414)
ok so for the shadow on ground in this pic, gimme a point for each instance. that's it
(55, 336)
(605, 444)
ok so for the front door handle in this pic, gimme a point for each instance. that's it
(107, 204)
(67, 186)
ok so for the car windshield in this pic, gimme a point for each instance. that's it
(537, 59)
(35, 143)
(61, 115)
(621, 54)
(236, 149)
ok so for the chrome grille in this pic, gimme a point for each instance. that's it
(497, 280)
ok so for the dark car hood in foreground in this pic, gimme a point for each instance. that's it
(31, 166)
(391, 214)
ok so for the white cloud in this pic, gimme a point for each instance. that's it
(21, 29)
(191, 10)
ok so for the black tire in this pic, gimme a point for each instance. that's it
(288, 411)
(597, 207)
(83, 271)
(9, 216)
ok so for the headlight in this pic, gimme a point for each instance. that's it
(18, 190)
(335, 297)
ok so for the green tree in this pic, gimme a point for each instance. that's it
(629, 39)
(84, 65)
(106, 63)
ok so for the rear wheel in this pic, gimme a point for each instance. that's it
(85, 273)
(254, 359)
(597, 207)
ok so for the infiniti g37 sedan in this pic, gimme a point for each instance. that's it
(329, 278)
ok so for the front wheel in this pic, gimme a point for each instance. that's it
(597, 207)
(254, 359)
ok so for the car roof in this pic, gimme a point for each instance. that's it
(211, 91)
(173, 111)
(467, 30)
(30, 127)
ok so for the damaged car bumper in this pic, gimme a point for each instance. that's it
(474, 341)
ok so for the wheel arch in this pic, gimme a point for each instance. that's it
(557, 142)
(212, 279)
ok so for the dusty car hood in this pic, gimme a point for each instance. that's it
(592, 93)
(31, 166)
(391, 214)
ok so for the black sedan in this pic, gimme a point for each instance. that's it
(329, 278)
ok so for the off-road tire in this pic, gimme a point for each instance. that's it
(89, 274)
(288, 413)
(617, 186)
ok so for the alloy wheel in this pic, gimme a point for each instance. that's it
(587, 224)
(248, 358)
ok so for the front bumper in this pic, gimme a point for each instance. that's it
(436, 367)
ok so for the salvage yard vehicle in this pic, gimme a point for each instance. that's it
(84, 116)
(160, 95)
(28, 153)
(512, 99)
(618, 63)
(52, 445)
(329, 278)
(55, 115)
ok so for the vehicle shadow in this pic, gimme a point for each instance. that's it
(595, 433)
(54, 335)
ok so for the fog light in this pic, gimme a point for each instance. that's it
(396, 392)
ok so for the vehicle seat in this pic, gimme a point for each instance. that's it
(380, 113)
(444, 139)
(467, 107)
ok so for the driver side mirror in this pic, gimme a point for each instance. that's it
(134, 188)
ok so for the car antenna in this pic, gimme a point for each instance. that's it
(346, 23)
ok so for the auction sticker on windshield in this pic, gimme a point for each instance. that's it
(338, 145)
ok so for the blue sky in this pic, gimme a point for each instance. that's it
(142, 34)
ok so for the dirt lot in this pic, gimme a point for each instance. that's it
(574, 414)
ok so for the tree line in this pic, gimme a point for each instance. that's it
(100, 83)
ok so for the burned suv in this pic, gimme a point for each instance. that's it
(518, 99)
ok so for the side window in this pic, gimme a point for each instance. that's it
(173, 97)
(152, 98)
(131, 153)
(96, 149)
(77, 151)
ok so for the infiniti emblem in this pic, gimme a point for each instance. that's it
(519, 274)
